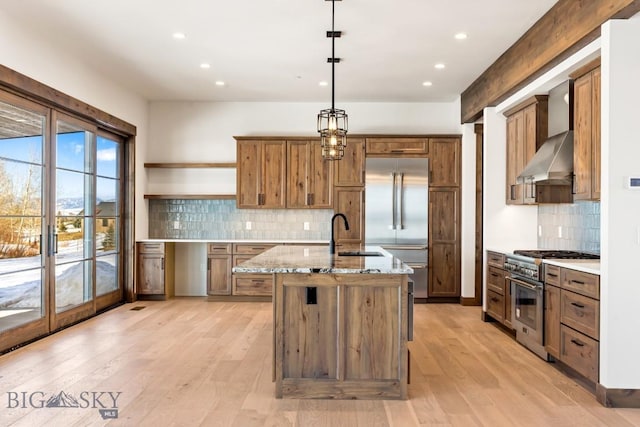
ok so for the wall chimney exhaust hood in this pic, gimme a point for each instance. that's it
(552, 163)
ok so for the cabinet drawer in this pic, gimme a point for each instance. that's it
(495, 305)
(580, 313)
(397, 145)
(251, 249)
(495, 280)
(552, 274)
(259, 285)
(580, 282)
(580, 352)
(153, 248)
(495, 259)
(219, 248)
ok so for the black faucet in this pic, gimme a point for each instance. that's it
(332, 243)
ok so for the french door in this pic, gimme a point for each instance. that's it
(60, 257)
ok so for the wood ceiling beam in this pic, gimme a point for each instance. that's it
(568, 26)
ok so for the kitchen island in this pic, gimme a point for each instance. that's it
(340, 322)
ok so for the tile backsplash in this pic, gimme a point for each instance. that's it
(577, 223)
(219, 219)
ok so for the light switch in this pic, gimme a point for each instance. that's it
(305, 225)
(247, 225)
(560, 231)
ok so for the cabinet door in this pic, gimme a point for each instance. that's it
(298, 170)
(595, 134)
(529, 147)
(320, 182)
(219, 274)
(582, 141)
(552, 320)
(444, 158)
(507, 303)
(397, 146)
(151, 274)
(444, 250)
(248, 174)
(350, 170)
(273, 174)
(515, 136)
(349, 201)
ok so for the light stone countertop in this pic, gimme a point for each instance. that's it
(316, 259)
(585, 265)
(278, 241)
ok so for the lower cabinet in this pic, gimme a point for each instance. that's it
(219, 269)
(572, 317)
(498, 289)
(155, 270)
(259, 285)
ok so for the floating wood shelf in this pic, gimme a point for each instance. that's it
(190, 165)
(191, 196)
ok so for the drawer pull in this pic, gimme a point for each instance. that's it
(494, 299)
(257, 249)
(577, 282)
(495, 275)
(578, 343)
(257, 281)
(552, 275)
(575, 304)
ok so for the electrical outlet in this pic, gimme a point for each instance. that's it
(176, 225)
(247, 225)
(539, 231)
(560, 232)
(305, 225)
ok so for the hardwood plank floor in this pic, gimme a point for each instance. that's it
(190, 362)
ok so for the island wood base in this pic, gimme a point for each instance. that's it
(340, 336)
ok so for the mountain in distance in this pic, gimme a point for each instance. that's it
(62, 400)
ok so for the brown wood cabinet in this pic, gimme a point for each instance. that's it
(397, 145)
(527, 126)
(572, 319)
(155, 270)
(261, 174)
(444, 242)
(444, 162)
(349, 201)
(586, 144)
(219, 269)
(552, 311)
(349, 171)
(498, 289)
(254, 284)
(309, 176)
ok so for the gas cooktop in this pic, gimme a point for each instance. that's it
(557, 254)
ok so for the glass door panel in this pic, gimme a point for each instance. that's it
(22, 265)
(72, 232)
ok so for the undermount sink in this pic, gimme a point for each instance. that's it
(359, 253)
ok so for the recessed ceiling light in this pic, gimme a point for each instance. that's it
(179, 36)
(439, 66)
(219, 83)
(323, 83)
(205, 65)
(461, 36)
(427, 84)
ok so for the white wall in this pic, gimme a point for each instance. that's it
(505, 228)
(31, 54)
(620, 215)
(468, 214)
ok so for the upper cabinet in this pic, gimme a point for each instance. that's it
(526, 131)
(444, 155)
(261, 174)
(349, 171)
(309, 176)
(398, 146)
(586, 144)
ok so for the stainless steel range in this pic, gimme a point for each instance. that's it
(527, 293)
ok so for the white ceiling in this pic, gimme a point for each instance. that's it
(276, 50)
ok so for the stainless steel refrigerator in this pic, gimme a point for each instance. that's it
(396, 209)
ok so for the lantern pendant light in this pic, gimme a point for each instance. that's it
(333, 123)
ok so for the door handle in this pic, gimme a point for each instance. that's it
(393, 201)
(400, 190)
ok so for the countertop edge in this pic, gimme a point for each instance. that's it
(586, 266)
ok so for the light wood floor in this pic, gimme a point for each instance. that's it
(189, 362)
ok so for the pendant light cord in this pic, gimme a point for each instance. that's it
(333, 54)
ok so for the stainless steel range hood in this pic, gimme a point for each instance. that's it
(552, 163)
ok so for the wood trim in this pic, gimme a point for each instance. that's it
(618, 397)
(568, 26)
(524, 104)
(469, 301)
(42, 93)
(190, 165)
(585, 69)
(354, 135)
(191, 196)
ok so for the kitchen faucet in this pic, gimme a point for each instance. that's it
(332, 243)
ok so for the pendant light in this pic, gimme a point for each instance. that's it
(332, 122)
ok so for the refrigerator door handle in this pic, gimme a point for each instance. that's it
(393, 201)
(400, 224)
